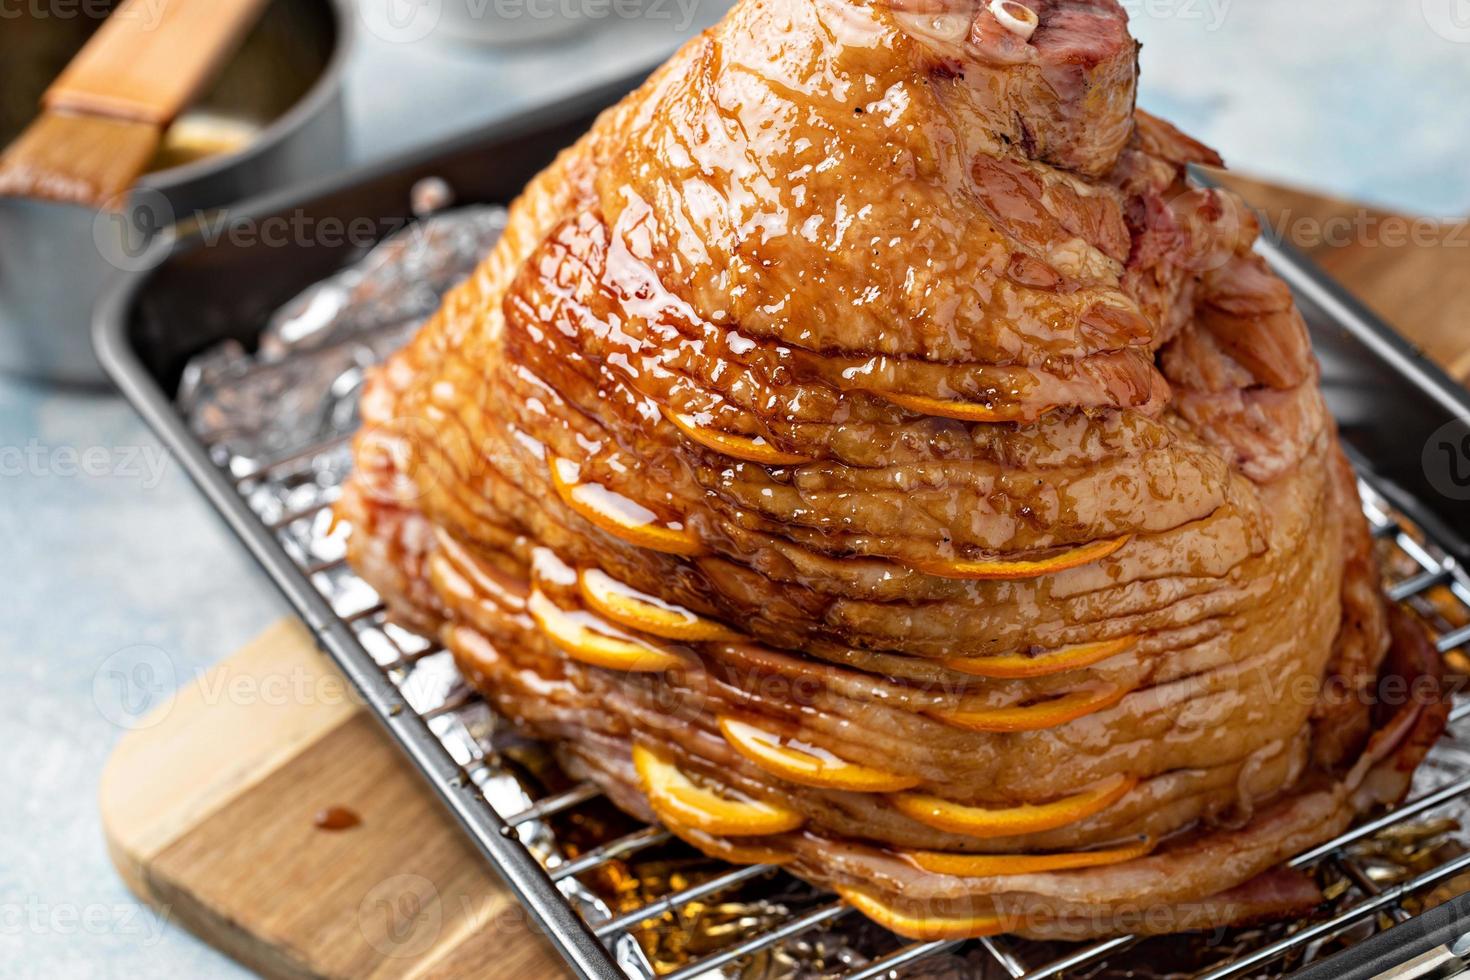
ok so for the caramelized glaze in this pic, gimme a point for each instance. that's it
(868, 429)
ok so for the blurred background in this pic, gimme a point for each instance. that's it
(1357, 99)
(1360, 99)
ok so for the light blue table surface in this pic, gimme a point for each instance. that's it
(113, 561)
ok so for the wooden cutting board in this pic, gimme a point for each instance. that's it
(210, 808)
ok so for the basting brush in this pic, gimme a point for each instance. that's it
(103, 118)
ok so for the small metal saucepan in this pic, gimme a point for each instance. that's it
(273, 117)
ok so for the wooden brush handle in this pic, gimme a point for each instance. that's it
(151, 58)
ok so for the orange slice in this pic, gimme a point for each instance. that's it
(997, 865)
(678, 800)
(806, 764)
(1035, 717)
(1043, 664)
(579, 636)
(636, 610)
(1022, 567)
(961, 410)
(752, 450)
(926, 928)
(974, 821)
(620, 516)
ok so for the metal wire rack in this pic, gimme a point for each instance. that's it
(451, 734)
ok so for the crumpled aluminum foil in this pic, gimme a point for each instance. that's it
(260, 406)
(298, 393)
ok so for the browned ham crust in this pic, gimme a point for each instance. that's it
(893, 350)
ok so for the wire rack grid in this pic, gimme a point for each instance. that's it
(450, 733)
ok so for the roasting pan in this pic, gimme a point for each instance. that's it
(1403, 420)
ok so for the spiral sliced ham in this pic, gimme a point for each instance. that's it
(866, 452)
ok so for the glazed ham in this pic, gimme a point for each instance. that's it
(866, 452)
